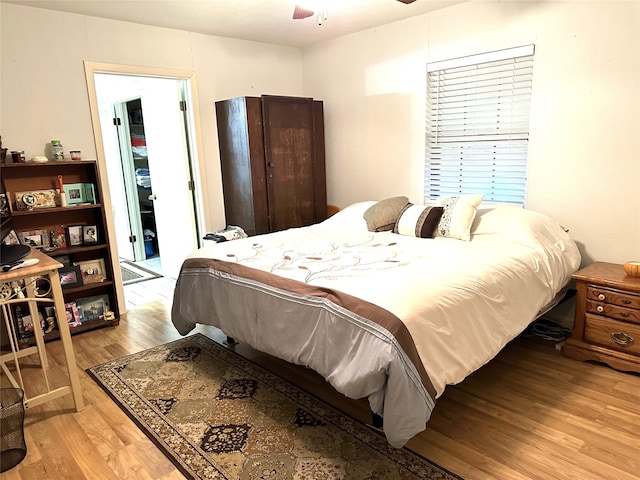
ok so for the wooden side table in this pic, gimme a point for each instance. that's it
(607, 319)
(46, 267)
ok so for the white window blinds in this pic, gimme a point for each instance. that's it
(478, 125)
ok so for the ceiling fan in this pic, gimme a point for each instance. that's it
(301, 12)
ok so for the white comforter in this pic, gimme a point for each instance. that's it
(461, 301)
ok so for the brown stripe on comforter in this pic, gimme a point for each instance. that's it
(207, 293)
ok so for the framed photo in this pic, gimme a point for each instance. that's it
(89, 234)
(78, 193)
(37, 238)
(4, 203)
(92, 308)
(70, 276)
(58, 237)
(73, 314)
(63, 259)
(93, 271)
(75, 235)
(12, 238)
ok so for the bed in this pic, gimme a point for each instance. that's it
(387, 316)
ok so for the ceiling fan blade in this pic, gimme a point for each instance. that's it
(300, 12)
(406, 2)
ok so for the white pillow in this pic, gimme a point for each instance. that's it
(349, 218)
(458, 216)
(418, 220)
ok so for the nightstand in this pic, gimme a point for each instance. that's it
(607, 319)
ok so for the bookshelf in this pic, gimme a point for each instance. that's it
(80, 254)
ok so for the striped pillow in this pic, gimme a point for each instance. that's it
(418, 220)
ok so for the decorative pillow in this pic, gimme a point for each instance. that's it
(418, 220)
(458, 216)
(382, 215)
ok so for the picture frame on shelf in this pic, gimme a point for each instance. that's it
(70, 276)
(36, 238)
(74, 232)
(93, 271)
(89, 234)
(92, 308)
(63, 259)
(12, 238)
(4, 203)
(80, 193)
(73, 314)
(58, 237)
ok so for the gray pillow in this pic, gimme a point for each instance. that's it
(382, 216)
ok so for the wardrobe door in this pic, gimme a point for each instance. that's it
(242, 161)
(293, 162)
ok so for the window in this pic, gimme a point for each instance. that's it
(478, 125)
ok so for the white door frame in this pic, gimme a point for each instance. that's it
(195, 140)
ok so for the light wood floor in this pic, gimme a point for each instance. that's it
(529, 414)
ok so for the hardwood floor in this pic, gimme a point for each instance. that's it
(529, 414)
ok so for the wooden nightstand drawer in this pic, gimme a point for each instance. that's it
(615, 297)
(613, 311)
(606, 325)
(621, 336)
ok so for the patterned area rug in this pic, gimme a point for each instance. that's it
(217, 415)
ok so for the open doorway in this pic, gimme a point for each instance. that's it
(145, 135)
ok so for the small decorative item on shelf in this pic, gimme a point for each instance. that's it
(61, 194)
(18, 156)
(632, 268)
(75, 155)
(35, 199)
(57, 152)
(39, 159)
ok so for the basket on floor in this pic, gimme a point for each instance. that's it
(13, 449)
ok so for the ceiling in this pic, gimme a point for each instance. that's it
(267, 21)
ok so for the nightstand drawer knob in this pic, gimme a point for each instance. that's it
(600, 308)
(622, 338)
(601, 296)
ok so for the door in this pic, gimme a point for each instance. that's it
(168, 164)
(169, 170)
(294, 140)
(129, 124)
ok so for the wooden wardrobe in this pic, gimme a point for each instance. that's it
(272, 160)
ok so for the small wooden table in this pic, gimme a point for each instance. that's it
(607, 319)
(46, 267)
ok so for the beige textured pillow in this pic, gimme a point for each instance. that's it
(382, 216)
(458, 216)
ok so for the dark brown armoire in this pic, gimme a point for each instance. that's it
(272, 160)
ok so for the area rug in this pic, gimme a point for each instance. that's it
(132, 273)
(217, 415)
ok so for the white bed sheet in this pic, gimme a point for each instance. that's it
(461, 301)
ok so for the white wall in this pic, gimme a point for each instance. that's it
(585, 126)
(584, 153)
(44, 92)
